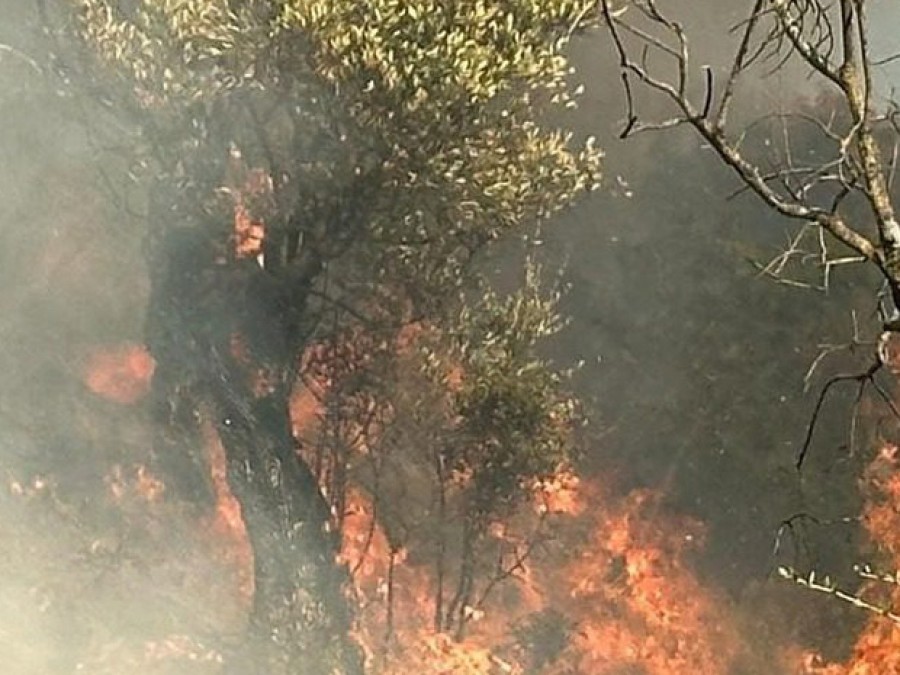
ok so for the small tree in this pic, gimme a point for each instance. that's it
(303, 161)
(510, 422)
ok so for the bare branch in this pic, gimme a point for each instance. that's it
(738, 64)
(792, 26)
(827, 586)
(886, 60)
(790, 201)
(860, 378)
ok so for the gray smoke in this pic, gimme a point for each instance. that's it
(694, 365)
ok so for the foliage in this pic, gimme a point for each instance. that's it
(427, 108)
(377, 146)
(429, 104)
(513, 417)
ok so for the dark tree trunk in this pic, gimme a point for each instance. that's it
(299, 610)
(300, 619)
(456, 611)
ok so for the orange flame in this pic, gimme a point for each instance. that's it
(121, 373)
(635, 601)
(247, 186)
(877, 648)
(615, 571)
(227, 521)
(629, 596)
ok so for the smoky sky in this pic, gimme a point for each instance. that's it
(711, 355)
(694, 365)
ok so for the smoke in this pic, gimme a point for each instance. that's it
(93, 562)
(694, 366)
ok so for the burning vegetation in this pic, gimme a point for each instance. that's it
(877, 647)
(576, 576)
(453, 567)
(571, 577)
(377, 472)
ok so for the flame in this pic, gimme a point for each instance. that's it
(632, 595)
(249, 234)
(120, 373)
(383, 575)
(614, 570)
(559, 494)
(227, 522)
(249, 189)
(628, 594)
(877, 648)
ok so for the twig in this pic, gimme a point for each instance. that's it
(830, 588)
(868, 376)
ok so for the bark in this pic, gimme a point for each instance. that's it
(456, 611)
(300, 618)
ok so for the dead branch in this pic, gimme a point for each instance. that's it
(827, 586)
(833, 43)
(862, 379)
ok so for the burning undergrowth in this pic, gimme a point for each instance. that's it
(606, 589)
(579, 577)
(574, 576)
(877, 648)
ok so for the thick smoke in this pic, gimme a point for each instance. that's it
(694, 365)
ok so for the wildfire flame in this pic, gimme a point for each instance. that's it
(627, 596)
(614, 572)
(611, 572)
(877, 648)
(633, 598)
(120, 373)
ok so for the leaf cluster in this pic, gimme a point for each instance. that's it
(513, 418)
(425, 106)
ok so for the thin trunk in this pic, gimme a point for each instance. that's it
(389, 617)
(464, 587)
(441, 542)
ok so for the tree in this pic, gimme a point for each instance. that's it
(828, 167)
(308, 171)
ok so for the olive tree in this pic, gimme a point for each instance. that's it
(302, 169)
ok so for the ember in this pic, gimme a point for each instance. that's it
(877, 649)
(121, 373)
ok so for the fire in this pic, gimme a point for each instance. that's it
(605, 576)
(559, 494)
(877, 648)
(250, 190)
(632, 597)
(387, 584)
(227, 521)
(627, 595)
(610, 570)
(121, 373)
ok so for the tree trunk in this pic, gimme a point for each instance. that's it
(456, 611)
(299, 611)
(300, 618)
